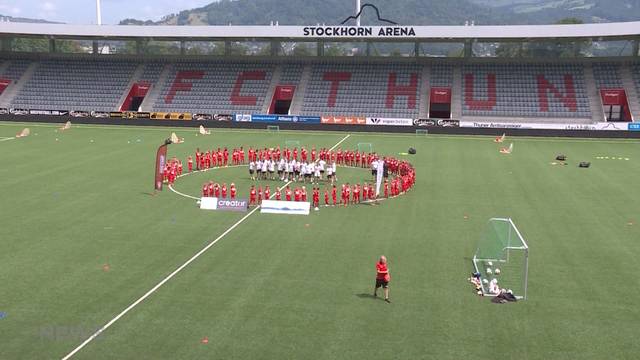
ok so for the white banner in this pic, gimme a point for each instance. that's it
(209, 203)
(285, 207)
(545, 126)
(379, 174)
(389, 121)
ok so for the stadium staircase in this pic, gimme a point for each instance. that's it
(19, 81)
(456, 93)
(631, 90)
(595, 102)
(275, 81)
(156, 87)
(298, 97)
(135, 77)
(423, 97)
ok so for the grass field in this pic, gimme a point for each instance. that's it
(297, 287)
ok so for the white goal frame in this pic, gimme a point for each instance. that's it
(524, 247)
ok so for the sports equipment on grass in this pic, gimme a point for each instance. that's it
(25, 132)
(507, 150)
(502, 243)
(273, 128)
(175, 139)
(366, 147)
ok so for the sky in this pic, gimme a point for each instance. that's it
(84, 11)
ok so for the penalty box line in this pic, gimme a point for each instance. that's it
(174, 273)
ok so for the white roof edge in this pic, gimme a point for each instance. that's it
(601, 30)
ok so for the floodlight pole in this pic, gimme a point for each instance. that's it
(98, 12)
(357, 11)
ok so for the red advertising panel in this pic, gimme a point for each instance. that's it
(440, 95)
(344, 120)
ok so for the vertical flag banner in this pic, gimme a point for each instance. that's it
(161, 159)
(379, 174)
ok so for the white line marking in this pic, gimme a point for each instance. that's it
(6, 138)
(199, 171)
(176, 271)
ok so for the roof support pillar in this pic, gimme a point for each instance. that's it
(52, 45)
(368, 49)
(468, 49)
(183, 48)
(416, 49)
(636, 47)
(7, 43)
(139, 47)
(227, 48)
(276, 46)
(320, 48)
(94, 47)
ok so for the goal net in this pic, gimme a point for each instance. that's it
(366, 147)
(422, 132)
(273, 128)
(291, 144)
(503, 254)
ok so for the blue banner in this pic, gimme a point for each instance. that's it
(265, 118)
(270, 118)
(301, 119)
(634, 126)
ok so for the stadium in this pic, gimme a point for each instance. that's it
(480, 177)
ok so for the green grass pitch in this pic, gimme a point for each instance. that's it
(297, 287)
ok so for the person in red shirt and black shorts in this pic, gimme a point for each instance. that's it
(382, 278)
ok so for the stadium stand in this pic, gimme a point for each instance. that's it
(607, 76)
(385, 90)
(15, 69)
(441, 75)
(151, 72)
(215, 87)
(394, 89)
(552, 91)
(76, 85)
(291, 74)
(635, 70)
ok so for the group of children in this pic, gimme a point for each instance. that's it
(305, 167)
(293, 170)
(172, 169)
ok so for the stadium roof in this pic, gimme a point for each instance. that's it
(609, 31)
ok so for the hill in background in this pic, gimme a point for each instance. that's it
(407, 12)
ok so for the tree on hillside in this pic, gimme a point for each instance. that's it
(546, 49)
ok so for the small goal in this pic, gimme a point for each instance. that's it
(365, 147)
(273, 128)
(422, 132)
(503, 254)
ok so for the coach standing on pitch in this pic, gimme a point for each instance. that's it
(382, 278)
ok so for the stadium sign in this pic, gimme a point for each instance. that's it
(49, 112)
(606, 126)
(344, 120)
(242, 117)
(214, 203)
(389, 121)
(358, 31)
(634, 126)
